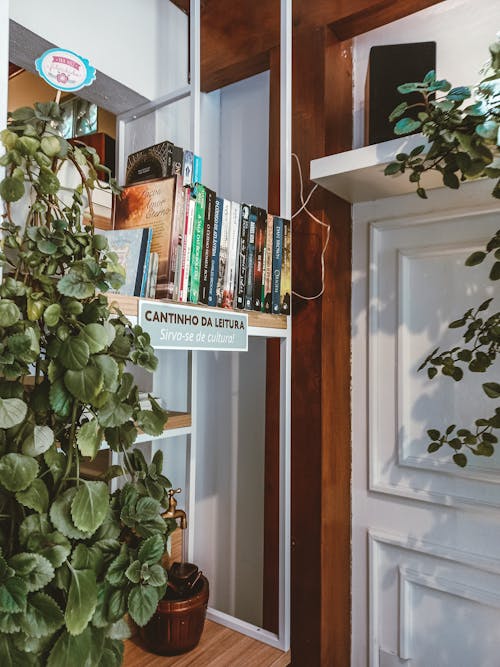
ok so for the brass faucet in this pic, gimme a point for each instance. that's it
(172, 512)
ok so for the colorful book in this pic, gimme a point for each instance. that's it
(277, 256)
(260, 250)
(132, 249)
(150, 204)
(231, 270)
(197, 168)
(241, 275)
(250, 259)
(187, 167)
(223, 250)
(197, 243)
(176, 238)
(208, 232)
(149, 163)
(268, 267)
(286, 269)
(214, 259)
(186, 245)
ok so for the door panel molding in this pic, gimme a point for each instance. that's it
(432, 559)
(395, 243)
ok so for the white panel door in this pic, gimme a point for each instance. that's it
(426, 533)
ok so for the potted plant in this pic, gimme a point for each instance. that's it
(74, 559)
(463, 145)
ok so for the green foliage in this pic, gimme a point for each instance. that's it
(464, 145)
(463, 140)
(74, 559)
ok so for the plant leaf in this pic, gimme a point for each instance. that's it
(76, 285)
(42, 616)
(90, 506)
(36, 496)
(12, 412)
(95, 336)
(70, 650)
(74, 353)
(35, 570)
(60, 515)
(82, 600)
(85, 384)
(17, 471)
(407, 125)
(13, 594)
(142, 603)
(33, 524)
(89, 438)
(53, 546)
(11, 656)
(152, 550)
(38, 443)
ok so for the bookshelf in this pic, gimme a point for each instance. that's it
(187, 428)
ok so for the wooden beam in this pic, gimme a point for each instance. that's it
(270, 605)
(321, 123)
(378, 15)
(237, 37)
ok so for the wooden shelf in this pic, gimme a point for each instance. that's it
(129, 304)
(358, 175)
(219, 647)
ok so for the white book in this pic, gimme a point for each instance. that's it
(232, 255)
(186, 249)
(153, 276)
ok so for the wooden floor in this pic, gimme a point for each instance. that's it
(219, 647)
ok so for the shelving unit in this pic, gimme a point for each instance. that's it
(260, 325)
(358, 175)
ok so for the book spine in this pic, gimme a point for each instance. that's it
(170, 158)
(148, 281)
(176, 237)
(216, 244)
(177, 156)
(277, 255)
(197, 169)
(241, 274)
(231, 270)
(197, 244)
(147, 236)
(286, 269)
(186, 247)
(260, 250)
(250, 259)
(154, 275)
(206, 255)
(268, 267)
(223, 249)
(187, 167)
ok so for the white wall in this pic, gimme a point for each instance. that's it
(143, 45)
(462, 30)
(244, 140)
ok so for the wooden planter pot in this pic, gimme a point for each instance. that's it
(177, 625)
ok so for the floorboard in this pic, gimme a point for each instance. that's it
(219, 647)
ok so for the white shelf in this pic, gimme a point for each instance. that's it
(358, 175)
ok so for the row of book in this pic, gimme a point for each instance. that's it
(178, 240)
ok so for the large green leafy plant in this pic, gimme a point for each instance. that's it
(74, 559)
(463, 145)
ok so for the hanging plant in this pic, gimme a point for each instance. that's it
(74, 559)
(463, 145)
